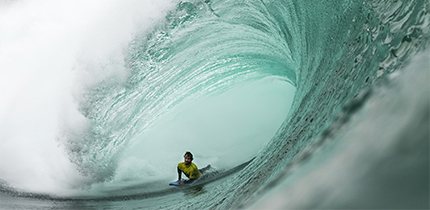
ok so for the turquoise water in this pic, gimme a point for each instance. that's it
(295, 104)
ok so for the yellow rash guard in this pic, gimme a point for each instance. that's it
(191, 171)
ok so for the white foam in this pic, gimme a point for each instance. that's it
(49, 52)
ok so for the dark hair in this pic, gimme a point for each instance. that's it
(189, 154)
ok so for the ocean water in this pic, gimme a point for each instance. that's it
(295, 104)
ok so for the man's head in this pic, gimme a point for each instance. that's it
(188, 157)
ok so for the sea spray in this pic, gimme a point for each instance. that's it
(50, 53)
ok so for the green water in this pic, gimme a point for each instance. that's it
(295, 84)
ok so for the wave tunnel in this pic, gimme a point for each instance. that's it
(294, 104)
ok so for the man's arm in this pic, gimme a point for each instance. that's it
(179, 174)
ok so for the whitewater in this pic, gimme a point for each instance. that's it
(295, 104)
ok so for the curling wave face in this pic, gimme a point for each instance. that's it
(338, 56)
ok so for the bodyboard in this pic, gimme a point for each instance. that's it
(176, 183)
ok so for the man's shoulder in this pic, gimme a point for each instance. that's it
(181, 164)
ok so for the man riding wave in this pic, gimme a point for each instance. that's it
(189, 169)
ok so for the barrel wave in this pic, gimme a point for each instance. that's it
(295, 104)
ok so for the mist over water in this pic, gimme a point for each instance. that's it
(327, 100)
(50, 53)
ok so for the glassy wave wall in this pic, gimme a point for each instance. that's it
(353, 65)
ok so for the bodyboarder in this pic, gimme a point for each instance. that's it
(189, 169)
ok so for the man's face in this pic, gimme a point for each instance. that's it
(187, 160)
